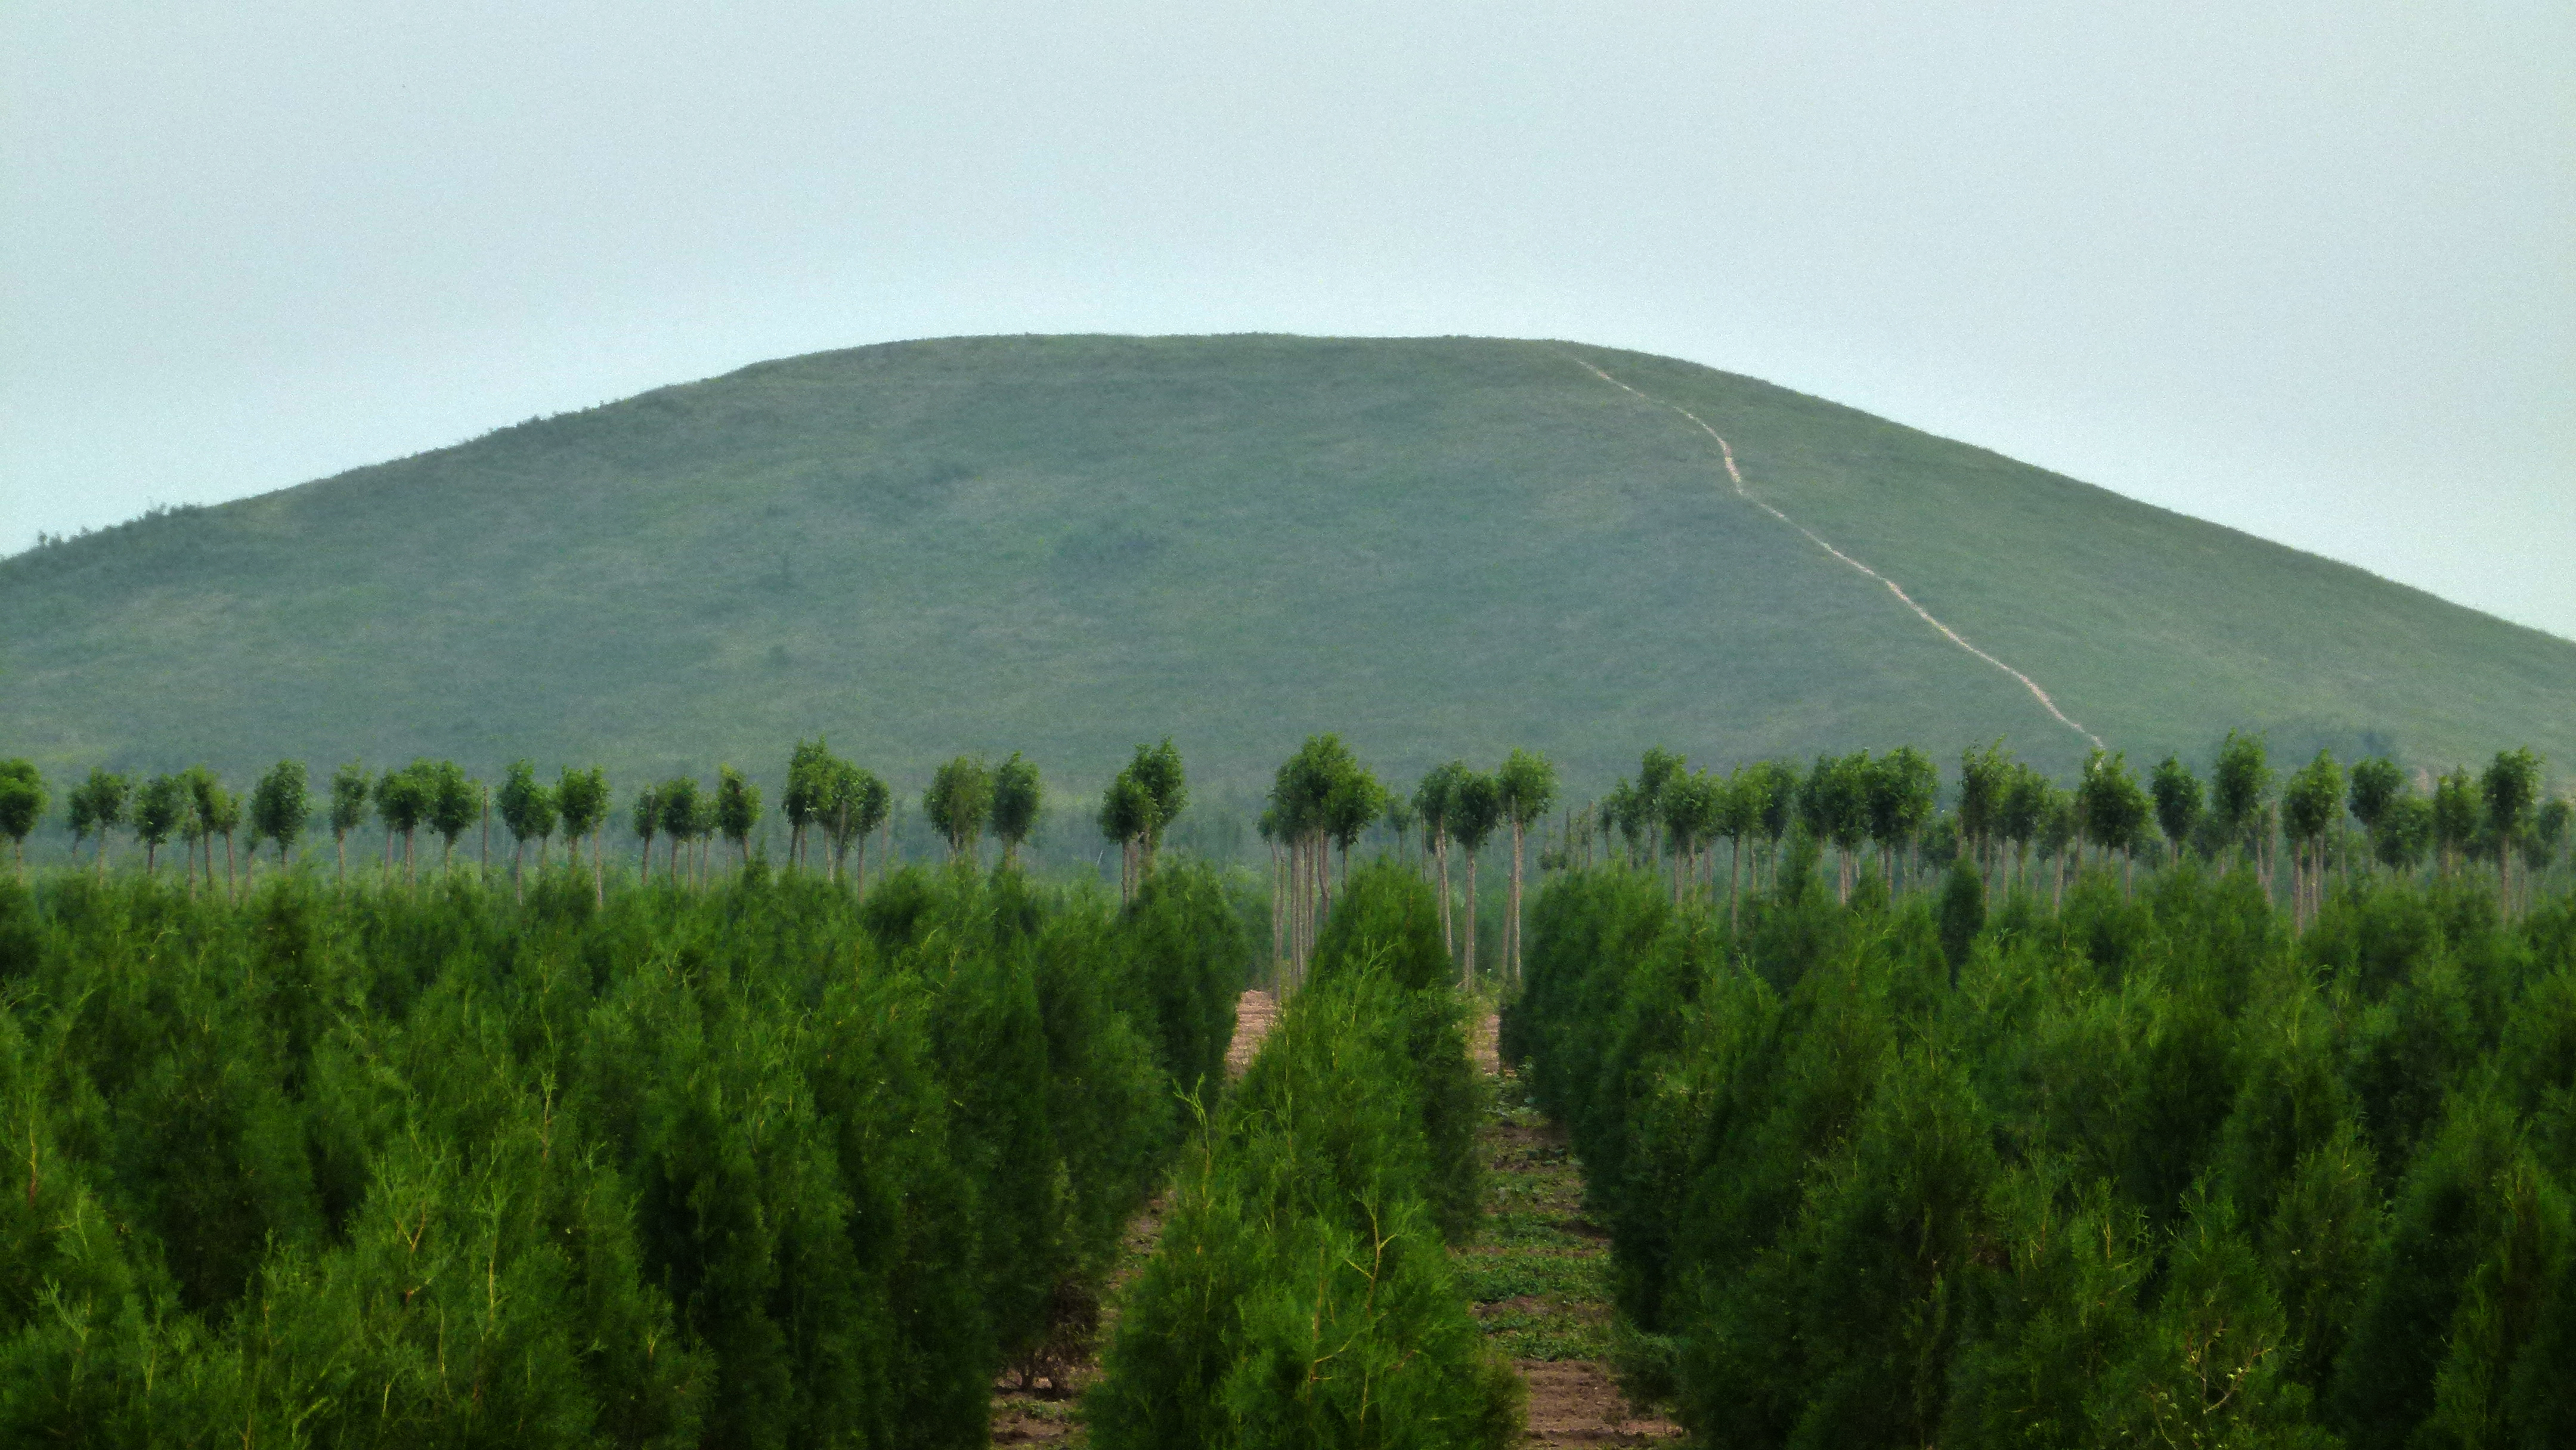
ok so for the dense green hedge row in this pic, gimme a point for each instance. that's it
(1302, 1294)
(2152, 1171)
(759, 1167)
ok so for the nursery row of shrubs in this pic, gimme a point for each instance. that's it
(2125, 1171)
(763, 1166)
(1301, 1294)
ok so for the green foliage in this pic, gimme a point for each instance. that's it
(389, 1169)
(958, 802)
(349, 791)
(1526, 785)
(737, 808)
(1301, 1294)
(2179, 801)
(1018, 796)
(528, 810)
(2110, 1172)
(22, 800)
(280, 806)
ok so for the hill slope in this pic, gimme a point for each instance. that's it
(1069, 544)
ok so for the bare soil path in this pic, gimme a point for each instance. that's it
(1538, 1276)
(1042, 1414)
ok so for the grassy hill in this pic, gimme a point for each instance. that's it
(1066, 545)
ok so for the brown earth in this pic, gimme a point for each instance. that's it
(1042, 1413)
(1539, 1275)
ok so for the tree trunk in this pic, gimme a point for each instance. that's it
(1471, 917)
(1515, 927)
(1448, 899)
(518, 874)
(1278, 911)
(1734, 883)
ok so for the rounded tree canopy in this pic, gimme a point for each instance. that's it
(959, 801)
(1527, 783)
(737, 805)
(528, 809)
(281, 804)
(581, 797)
(348, 798)
(22, 798)
(1018, 797)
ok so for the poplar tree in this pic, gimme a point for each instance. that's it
(1740, 818)
(737, 810)
(2241, 796)
(2018, 818)
(1124, 807)
(958, 803)
(22, 805)
(2178, 802)
(158, 810)
(646, 822)
(809, 785)
(2511, 786)
(855, 806)
(1474, 814)
(402, 802)
(2377, 784)
(1903, 788)
(348, 809)
(527, 812)
(1354, 801)
(216, 812)
(581, 799)
(2310, 805)
(1166, 784)
(1018, 797)
(1657, 769)
(2112, 808)
(2455, 816)
(1526, 789)
(1434, 801)
(98, 805)
(2405, 833)
(281, 805)
(452, 806)
(1779, 807)
(680, 812)
(1985, 775)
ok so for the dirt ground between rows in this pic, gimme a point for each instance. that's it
(1043, 1414)
(1536, 1233)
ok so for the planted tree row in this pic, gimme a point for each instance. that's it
(764, 1165)
(2150, 1167)
(832, 806)
(1301, 1292)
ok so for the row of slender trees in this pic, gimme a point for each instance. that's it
(1322, 800)
(828, 802)
(2005, 813)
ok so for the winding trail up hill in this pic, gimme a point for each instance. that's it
(1066, 545)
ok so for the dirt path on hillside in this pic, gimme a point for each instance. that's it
(1538, 1275)
(1041, 1413)
(1726, 452)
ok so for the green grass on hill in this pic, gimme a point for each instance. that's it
(1066, 545)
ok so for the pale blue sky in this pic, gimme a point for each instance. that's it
(2309, 270)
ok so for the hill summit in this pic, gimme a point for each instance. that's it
(1066, 545)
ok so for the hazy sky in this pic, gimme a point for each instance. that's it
(2308, 269)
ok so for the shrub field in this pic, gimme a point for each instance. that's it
(759, 1165)
(1302, 1294)
(2147, 1167)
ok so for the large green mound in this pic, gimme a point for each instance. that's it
(1069, 544)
